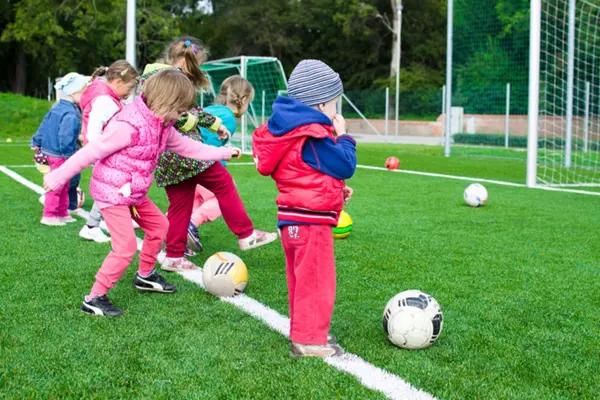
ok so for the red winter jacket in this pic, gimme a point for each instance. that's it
(306, 195)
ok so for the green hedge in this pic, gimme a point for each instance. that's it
(516, 141)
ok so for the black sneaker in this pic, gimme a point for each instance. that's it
(153, 283)
(100, 305)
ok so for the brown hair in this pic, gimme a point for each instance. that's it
(194, 53)
(118, 70)
(167, 91)
(235, 90)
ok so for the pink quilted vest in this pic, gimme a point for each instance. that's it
(98, 87)
(135, 163)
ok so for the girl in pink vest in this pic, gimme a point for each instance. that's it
(125, 157)
(99, 103)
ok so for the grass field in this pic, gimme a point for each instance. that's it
(517, 281)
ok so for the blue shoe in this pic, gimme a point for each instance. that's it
(188, 252)
(193, 240)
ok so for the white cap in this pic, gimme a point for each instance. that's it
(71, 83)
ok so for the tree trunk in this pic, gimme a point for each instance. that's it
(396, 4)
(20, 83)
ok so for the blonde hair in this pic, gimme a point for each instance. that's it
(193, 52)
(118, 70)
(167, 91)
(235, 90)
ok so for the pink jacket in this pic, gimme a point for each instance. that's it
(98, 87)
(127, 153)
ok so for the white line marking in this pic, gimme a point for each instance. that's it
(370, 376)
(19, 166)
(468, 179)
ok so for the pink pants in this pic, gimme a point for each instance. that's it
(310, 270)
(206, 206)
(124, 242)
(57, 201)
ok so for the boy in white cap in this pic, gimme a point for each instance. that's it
(305, 149)
(57, 139)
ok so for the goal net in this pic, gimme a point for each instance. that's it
(568, 125)
(266, 76)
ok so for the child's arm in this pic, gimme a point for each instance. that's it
(103, 109)
(190, 148)
(334, 159)
(198, 117)
(36, 140)
(116, 136)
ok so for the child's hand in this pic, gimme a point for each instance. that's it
(235, 152)
(50, 184)
(339, 124)
(223, 132)
(35, 148)
(347, 191)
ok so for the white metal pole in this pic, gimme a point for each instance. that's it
(130, 47)
(449, 77)
(339, 105)
(244, 127)
(570, 80)
(49, 89)
(387, 109)
(263, 107)
(201, 98)
(535, 23)
(586, 122)
(398, 47)
(507, 120)
(444, 114)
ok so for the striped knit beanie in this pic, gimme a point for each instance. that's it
(313, 82)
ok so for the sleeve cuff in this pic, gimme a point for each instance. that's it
(215, 127)
(191, 122)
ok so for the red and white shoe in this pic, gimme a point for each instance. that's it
(257, 239)
(177, 264)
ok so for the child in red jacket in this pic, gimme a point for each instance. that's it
(305, 149)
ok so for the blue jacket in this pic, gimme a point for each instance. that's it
(227, 118)
(336, 159)
(58, 132)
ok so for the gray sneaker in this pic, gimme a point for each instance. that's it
(313, 350)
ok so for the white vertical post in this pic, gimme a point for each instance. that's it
(201, 98)
(130, 47)
(449, 42)
(444, 114)
(244, 127)
(586, 122)
(49, 89)
(339, 105)
(535, 24)
(507, 120)
(263, 107)
(399, 36)
(570, 79)
(387, 109)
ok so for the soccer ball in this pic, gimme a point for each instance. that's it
(475, 195)
(344, 226)
(80, 197)
(225, 275)
(412, 320)
(392, 163)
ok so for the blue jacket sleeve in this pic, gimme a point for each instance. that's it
(36, 140)
(334, 159)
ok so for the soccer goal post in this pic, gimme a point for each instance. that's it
(564, 94)
(265, 74)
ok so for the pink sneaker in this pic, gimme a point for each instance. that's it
(257, 239)
(177, 264)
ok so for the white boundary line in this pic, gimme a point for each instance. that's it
(370, 376)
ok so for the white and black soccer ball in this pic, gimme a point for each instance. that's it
(225, 274)
(412, 320)
(475, 195)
